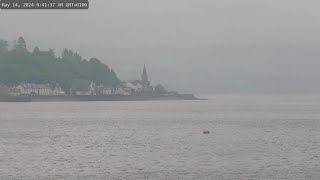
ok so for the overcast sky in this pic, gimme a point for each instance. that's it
(201, 46)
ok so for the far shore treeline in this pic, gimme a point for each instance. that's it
(18, 64)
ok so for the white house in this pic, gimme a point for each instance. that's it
(136, 85)
(14, 92)
(121, 91)
(130, 85)
(107, 91)
(44, 90)
(92, 88)
(36, 90)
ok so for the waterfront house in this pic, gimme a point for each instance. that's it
(137, 85)
(14, 91)
(107, 91)
(92, 89)
(36, 90)
(103, 90)
(122, 91)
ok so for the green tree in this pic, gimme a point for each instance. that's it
(3, 46)
(159, 89)
(21, 43)
(20, 65)
(36, 50)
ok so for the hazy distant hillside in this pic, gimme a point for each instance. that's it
(18, 64)
(226, 69)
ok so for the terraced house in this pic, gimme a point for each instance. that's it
(36, 90)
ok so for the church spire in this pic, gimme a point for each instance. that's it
(144, 76)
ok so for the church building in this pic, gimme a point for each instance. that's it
(145, 81)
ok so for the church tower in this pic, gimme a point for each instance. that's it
(144, 77)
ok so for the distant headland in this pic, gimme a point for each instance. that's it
(42, 76)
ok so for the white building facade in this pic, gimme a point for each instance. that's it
(36, 90)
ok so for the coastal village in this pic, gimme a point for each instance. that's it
(126, 88)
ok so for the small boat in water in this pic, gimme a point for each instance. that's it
(206, 132)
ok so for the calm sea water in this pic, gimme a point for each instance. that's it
(252, 137)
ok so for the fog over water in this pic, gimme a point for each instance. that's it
(251, 137)
(239, 69)
(205, 46)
